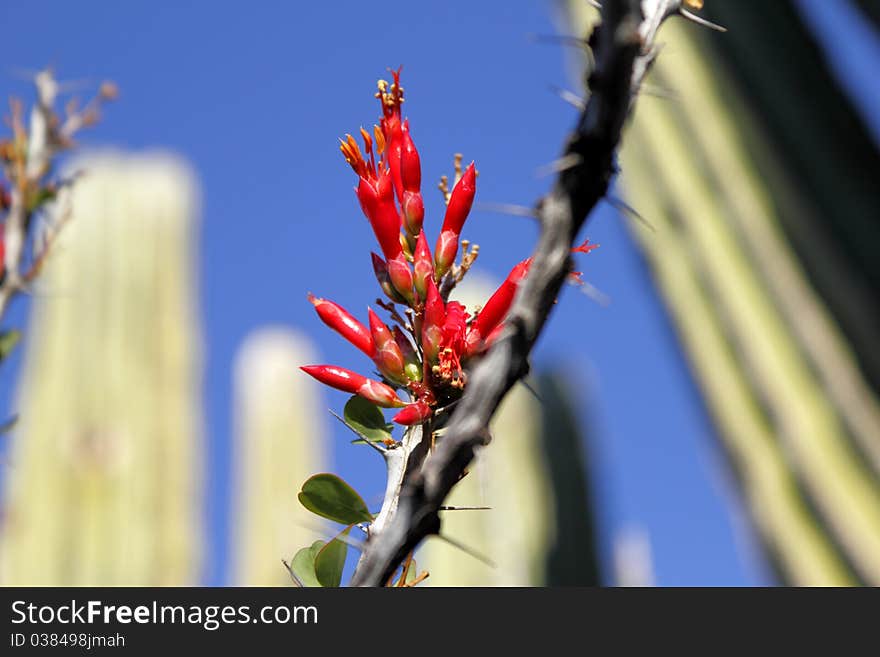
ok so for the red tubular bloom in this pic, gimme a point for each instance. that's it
(495, 310)
(389, 358)
(461, 200)
(423, 265)
(356, 384)
(411, 201)
(460, 203)
(444, 252)
(392, 129)
(410, 165)
(401, 277)
(414, 413)
(344, 323)
(378, 206)
(413, 212)
(432, 323)
(394, 150)
(452, 345)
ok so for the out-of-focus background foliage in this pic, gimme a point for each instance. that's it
(713, 421)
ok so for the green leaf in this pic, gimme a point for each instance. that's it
(330, 497)
(303, 564)
(8, 340)
(366, 419)
(330, 561)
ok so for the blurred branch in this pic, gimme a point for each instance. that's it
(27, 161)
(624, 48)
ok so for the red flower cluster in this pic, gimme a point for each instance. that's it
(426, 355)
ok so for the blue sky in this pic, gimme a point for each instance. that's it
(255, 96)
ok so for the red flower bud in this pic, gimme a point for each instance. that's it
(410, 167)
(392, 129)
(378, 206)
(348, 381)
(460, 201)
(457, 211)
(444, 252)
(432, 323)
(422, 265)
(401, 277)
(495, 310)
(414, 413)
(380, 268)
(342, 321)
(412, 364)
(413, 211)
(389, 358)
(380, 332)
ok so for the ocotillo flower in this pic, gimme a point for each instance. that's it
(432, 323)
(380, 268)
(452, 345)
(457, 211)
(375, 194)
(414, 413)
(342, 321)
(496, 307)
(388, 358)
(401, 277)
(427, 349)
(348, 381)
(411, 180)
(422, 265)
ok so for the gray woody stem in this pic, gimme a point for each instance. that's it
(624, 47)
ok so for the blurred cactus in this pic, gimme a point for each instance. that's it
(105, 481)
(539, 528)
(633, 564)
(765, 253)
(279, 442)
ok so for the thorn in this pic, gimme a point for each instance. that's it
(626, 209)
(507, 208)
(558, 39)
(569, 97)
(701, 21)
(464, 548)
(444, 409)
(595, 294)
(534, 392)
(465, 508)
(296, 580)
(369, 442)
(558, 166)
